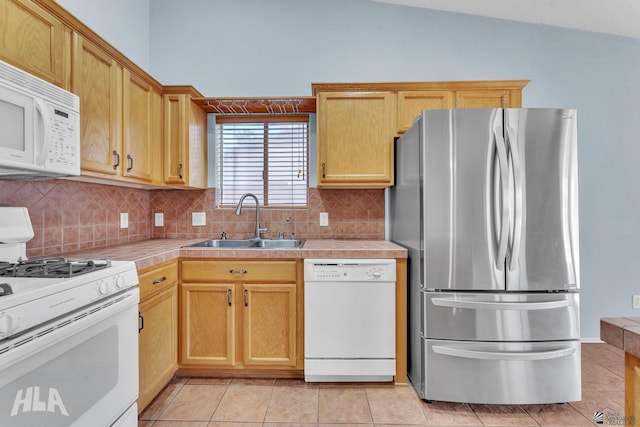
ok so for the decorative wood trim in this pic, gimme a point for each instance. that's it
(401, 322)
(181, 90)
(416, 86)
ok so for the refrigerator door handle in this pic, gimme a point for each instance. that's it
(486, 305)
(498, 355)
(503, 205)
(517, 193)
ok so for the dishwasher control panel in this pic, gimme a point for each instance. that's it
(349, 270)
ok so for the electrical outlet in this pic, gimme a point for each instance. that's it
(198, 219)
(324, 219)
(124, 220)
(159, 219)
(636, 301)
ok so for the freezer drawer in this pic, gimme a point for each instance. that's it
(502, 373)
(501, 316)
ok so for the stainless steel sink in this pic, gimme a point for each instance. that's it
(249, 243)
(222, 243)
(277, 244)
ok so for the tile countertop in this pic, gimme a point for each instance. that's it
(148, 253)
(622, 332)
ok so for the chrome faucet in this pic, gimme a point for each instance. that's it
(239, 211)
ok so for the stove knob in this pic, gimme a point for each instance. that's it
(8, 324)
(119, 282)
(103, 288)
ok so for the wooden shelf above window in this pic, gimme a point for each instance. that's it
(236, 106)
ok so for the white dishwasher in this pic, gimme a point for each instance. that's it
(349, 320)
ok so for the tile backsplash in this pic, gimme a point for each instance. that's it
(71, 215)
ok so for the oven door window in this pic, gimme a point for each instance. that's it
(17, 124)
(87, 377)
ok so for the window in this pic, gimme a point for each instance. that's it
(266, 156)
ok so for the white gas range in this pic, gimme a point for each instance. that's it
(68, 335)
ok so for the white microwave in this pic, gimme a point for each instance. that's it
(39, 127)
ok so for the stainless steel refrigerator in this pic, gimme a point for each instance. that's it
(486, 202)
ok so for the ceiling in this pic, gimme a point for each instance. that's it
(617, 17)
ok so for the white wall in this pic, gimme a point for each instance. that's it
(258, 48)
(278, 47)
(123, 23)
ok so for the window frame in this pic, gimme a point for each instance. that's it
(265, 120)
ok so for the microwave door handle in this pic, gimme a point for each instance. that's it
(41, 108)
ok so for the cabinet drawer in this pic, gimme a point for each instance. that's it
(502, 372)
(239, 271)
(158, 279)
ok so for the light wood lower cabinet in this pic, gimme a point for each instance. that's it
(158, 330)
(240, 315)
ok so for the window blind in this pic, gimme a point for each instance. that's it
(266, 156)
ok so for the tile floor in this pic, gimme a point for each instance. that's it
(226, 402)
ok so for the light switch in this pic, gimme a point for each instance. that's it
(159, 219)
(198, 219)
(324, 219)
(124, 220)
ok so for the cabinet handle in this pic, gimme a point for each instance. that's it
(229, 292)
(160, 280)
(323, 167)
(246, 298)
(129, 162)
(116, 160)
(180, 170)
(141, 322)
(238, 271)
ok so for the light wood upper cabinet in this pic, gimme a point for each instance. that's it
(355, 139)
(35, 40)
(184, 139)
(142, 118)
(411, 102)
(240, 314)
(158, 335)
(120, 117)
(496, 98)
(358, 121)
(97, 78)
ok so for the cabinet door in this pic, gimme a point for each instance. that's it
(185, 143)
(34, 40)
(158, 343)
(176, 138)
(493, 98)
(411, 103)
(269, 324)
(355, 139)
(97, 78)
(139, 118)
(207, 330)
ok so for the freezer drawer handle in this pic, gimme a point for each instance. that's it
(485, 305)
(507, 355)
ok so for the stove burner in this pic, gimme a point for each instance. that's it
(5, 289)
(53, 267)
